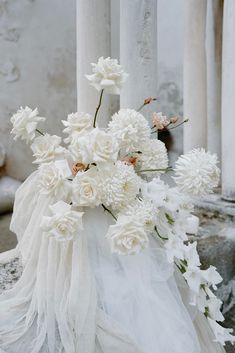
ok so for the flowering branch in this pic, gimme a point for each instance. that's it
(146, 102)
(110, 212)
(98, 107)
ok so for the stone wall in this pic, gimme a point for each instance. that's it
(37, 68)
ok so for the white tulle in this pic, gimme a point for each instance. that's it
(77, 297)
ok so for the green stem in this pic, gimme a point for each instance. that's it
(174, 127)
(160, 236)
(40, 132)
(155, 170)
(98, 107)
(110, 212)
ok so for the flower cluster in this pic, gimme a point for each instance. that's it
(108, 168)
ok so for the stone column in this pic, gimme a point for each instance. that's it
(214, 67)
(195, 109)
(93, 41)
(228, 102)
(138, 51)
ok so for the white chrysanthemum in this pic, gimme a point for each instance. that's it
(144, 211)
(196, 173)
(127, 236)
(47, 148)
(119, 185)
(25, 122)
(77, 124)
(153, 156)
(108, 75)
(130, 128)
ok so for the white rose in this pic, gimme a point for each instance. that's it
(53, 178)
(127, 236)
(108, 75)
(85, 189)
(95, 147)
(25, 122)
(47, 148)
(64, 224)
(77, 124)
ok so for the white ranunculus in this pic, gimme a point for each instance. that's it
(96, 146)
(64, 224)
(119, 185)
(107, 75)
(127, 236)
(25, 122)
(76, 125)
(53, 179)
(153, 156)
(130, 128)
(85, 188)
(196, 173)
(47, 148)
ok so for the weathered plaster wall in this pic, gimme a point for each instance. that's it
(37, 68)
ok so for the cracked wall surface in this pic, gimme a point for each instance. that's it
(37, 68)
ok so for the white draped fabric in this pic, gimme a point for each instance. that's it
(77, 297)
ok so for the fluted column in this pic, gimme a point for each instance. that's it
(93, 41)
(228, 102)
(214, 70)
(195, 108)
(138, 51)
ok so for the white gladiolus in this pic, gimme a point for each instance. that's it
(47, 148)
(153, 156)
(196, 173)
(25, 122)
(130, 128)
(53, 179)
(107, 75)
(64, 224)
(119, 185)
(85, 189)
(76, 125)
(127, 236)
(222, 335)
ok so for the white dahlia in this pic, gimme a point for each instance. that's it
(130, 128)
(25, 122)
(76, 124)
(153, 156)
(108, 75)
(196, 173)
(119, 185)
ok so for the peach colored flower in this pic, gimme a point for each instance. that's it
(131, 160)
(159, 121)
(173, 120)
(78, 167)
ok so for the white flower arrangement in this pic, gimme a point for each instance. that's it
(108, 168)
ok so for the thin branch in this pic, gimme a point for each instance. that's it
(110, 212)
(40, 132)
(155, 170)
(98, 107)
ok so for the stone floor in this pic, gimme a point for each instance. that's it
(7, 238)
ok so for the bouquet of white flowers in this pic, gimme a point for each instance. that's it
(118, 168)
